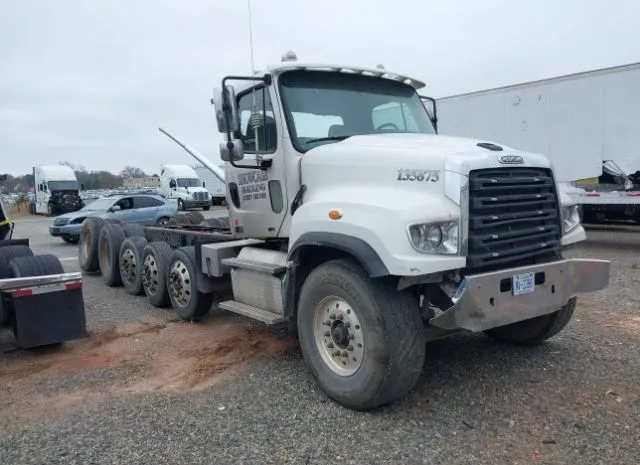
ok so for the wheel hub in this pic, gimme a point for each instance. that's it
(150, 274)
(128, 264)
(180, 283)
(339, 336)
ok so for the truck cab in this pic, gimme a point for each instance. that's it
(181, 185)
(378, 233)
(56, 190)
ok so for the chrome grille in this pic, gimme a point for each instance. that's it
(514, 218)
(200, 196)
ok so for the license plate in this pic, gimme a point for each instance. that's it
(523, 283)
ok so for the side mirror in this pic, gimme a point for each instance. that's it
(227, 115)
(432, 110)
(232, 151)
(202, 183)
(81, 187)
(172, 184)
(114, 208)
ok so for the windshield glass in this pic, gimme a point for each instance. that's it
(188, 182)
(339, 105)
(98, 205)
(63, 185)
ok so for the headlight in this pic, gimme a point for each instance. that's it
(571, 218)
(435, 237)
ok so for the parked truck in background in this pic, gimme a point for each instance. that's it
(181, 185)
(586, 124)
(368, 236)
(217, 189)
(56, 190)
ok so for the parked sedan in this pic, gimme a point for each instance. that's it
(143, 209)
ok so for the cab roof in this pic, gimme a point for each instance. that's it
(279, 68)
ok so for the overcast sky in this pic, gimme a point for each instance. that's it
(90, 81)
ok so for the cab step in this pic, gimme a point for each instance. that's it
(256, 313)
(261, 267)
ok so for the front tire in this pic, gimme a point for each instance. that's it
(181, 205)
(363, 340)
(535, 330)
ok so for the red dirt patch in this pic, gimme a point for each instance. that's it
(177, 356)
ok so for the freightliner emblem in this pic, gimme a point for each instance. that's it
(510, 159)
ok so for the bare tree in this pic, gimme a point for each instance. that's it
(132, 172)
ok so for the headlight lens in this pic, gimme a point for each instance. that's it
(435, 237)
(571, 218)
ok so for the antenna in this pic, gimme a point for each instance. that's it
(255, 114)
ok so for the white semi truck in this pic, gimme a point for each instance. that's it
(587, 124)
(56, 190)
(181, 184)
(368, 236)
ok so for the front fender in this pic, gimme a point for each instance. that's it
(375, 231)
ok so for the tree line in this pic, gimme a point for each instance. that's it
(101, 179)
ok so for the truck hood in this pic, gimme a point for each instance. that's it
(411, 150)
(403, 163)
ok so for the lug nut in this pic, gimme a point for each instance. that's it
(332, 316)
(352, 337)
(350, 348)
(347, 324)
(345, 353)
(327, 323)
(330, 345)
(340, 316)
(327, 333)
(336, 353)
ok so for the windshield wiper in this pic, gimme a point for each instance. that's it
(321, 139)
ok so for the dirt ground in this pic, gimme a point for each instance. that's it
(176, 356)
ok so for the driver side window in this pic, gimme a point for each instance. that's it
(266, 133)
(125, 204)
(393, 116)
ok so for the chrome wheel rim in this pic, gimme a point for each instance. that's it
(150, 274)
(339, 336)
(180, 283)
(128, 265)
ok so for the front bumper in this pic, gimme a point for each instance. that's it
(196, 203)
(487, 300)
(67, 229)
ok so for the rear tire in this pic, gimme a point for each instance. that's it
(131, 264)
(88, 250)
(111, 237)
(372, 350)
(36, 265)
(195, 217)
(155, 262)
(182, 282)
(535, 330)
(9, 253)
(133, 230)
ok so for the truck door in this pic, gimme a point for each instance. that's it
(42, 198)
(258, 196)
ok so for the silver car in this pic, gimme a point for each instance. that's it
(143, 209)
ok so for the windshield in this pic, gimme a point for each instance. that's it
(98, 205)
(189, 182)
(63, 185)
(329, 105)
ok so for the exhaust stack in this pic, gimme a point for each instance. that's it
(216, 170)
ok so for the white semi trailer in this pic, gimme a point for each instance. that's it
(587, 124)
(217, 188)
(368, 236)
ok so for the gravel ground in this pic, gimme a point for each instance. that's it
(134, 398)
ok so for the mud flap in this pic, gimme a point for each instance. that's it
(47, 315)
